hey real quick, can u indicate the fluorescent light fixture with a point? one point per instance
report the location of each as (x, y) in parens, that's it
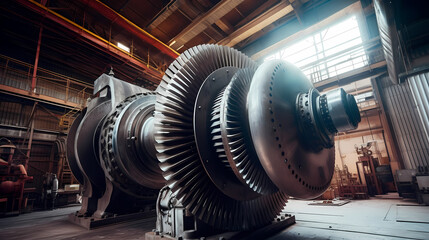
(123, 47)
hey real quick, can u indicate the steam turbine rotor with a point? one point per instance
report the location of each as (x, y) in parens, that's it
(234, 139)
(186, 151)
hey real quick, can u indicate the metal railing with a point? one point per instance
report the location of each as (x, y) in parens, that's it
(18, 74)
(351, 58)
(357, 56)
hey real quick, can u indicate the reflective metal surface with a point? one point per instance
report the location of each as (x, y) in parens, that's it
(206, 139)
(177, 149)
(343, 110)
(111, 151)
(70, 144)
(271, 108)
(85, 150)
(236, 143)
(125, 162)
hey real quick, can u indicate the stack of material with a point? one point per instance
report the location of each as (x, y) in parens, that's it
(347, 186)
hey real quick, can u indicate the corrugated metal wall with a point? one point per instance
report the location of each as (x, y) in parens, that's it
(17, 114)
(407, 125)
(419, 85)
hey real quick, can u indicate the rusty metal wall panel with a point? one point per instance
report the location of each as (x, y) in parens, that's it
(17, 114)
(10, 113)
(44, 120)
(407, 125)
(419, 85)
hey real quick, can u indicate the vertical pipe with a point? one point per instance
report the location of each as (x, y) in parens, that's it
(51, 158)
(36, 61)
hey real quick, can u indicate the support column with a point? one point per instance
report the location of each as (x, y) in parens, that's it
(36, 61)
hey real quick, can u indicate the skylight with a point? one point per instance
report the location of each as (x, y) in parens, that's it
(327, 53)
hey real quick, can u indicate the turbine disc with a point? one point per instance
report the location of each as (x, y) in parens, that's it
(230, 128)
(177, 150)
(293, 167)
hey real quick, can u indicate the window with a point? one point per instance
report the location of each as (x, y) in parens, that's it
(328, 53)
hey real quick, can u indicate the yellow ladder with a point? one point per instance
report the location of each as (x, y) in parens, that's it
(67, 119)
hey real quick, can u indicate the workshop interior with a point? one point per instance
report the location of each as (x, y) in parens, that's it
(214, 119)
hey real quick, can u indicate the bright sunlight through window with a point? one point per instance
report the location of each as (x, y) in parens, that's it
(328, 53)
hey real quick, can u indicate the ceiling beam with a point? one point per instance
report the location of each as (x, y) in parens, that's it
(199, 24)
(163, 15)
(262, 8)
(91, 38)
(225, 26)
(263, 20)
(126, 24)
(168, 10)
(312, 19)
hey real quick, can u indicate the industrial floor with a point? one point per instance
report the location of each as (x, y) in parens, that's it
(359, 219)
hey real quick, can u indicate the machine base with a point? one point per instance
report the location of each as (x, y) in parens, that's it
(92, 222)
(261, 233)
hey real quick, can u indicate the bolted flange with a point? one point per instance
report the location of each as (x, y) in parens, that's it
(319, 117)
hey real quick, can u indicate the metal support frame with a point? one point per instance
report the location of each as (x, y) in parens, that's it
(30, 129)
(175, 222)
(124, 23)
(36, 61)
(90, 37)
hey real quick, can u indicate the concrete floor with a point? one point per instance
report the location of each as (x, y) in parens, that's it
(360, 219)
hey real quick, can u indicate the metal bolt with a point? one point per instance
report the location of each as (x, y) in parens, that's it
(213, 79)
(199, 107)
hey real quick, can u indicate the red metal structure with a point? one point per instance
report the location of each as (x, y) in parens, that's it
(12, 180)
(129, 26)
(90, 38)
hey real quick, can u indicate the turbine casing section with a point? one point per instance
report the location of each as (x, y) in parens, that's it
(111, 152)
